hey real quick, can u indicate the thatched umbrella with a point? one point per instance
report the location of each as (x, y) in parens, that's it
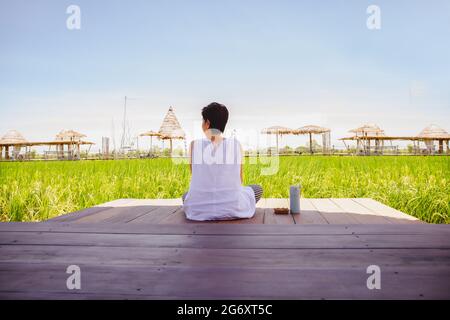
(69, 135)
(434, 133)
(368, 130)
(277, 131)
(150, 134)
(170, 128)
(11, 137)
(310, 130)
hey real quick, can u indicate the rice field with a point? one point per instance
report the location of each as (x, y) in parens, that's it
(36, 191)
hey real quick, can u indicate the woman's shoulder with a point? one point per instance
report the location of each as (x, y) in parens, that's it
(234, 141)
(196, 141)
(228, 141)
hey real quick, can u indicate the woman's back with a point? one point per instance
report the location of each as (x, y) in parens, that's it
(216, 191)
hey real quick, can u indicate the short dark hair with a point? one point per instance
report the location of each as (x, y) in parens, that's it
(217, 115)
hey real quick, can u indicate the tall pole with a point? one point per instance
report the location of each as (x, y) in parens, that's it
(137, 146)
(310, 143)
(151, 144)
(124, 124)
(70, 150)
(277, 144)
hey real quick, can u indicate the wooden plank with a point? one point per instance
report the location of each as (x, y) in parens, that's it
(392, 214)
(127, 214)
(74, 216)
(227, 283)
(155, 216)
(152, 202)
(249, 229)
(263, 258)
(271, 218)
(308, 214)
(258, 218)
(262, 203)
(227, 241)
(116, 203)
(116, 214)
(179, 217)
(360, 213)
(332, 213)
(119, 203)
(277, 203)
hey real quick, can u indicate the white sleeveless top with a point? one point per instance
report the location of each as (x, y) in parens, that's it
(215, 192)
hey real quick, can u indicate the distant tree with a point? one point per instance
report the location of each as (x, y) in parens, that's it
(166, 152)
(301, 150)
(410, 148)
(315, 145)
(286, 150)
(178, 151)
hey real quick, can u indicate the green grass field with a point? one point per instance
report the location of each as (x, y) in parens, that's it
(36, 191)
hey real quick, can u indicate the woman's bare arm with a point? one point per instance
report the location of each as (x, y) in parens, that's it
(242, 164)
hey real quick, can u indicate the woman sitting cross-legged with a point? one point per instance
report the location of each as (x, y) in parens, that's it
(216, 191)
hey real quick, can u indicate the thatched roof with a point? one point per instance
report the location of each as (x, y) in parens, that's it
(170, 127)
(13, 136)
(150, 133)
(433, 131)
(69, 135)
(277, 130)
(368, 130)
(311, 129)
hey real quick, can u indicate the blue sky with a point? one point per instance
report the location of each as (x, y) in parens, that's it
(286, 63)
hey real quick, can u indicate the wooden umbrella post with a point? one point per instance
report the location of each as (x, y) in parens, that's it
(1, 152)
(277, 131)
(151, 143)
(278, 149)
(78, 151)
(151, 134)
(7, 152)
(313, 129)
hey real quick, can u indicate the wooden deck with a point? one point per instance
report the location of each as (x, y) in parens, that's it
(313, 211)
(141, 249)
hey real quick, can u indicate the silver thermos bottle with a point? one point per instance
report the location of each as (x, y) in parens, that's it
(294, 198)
